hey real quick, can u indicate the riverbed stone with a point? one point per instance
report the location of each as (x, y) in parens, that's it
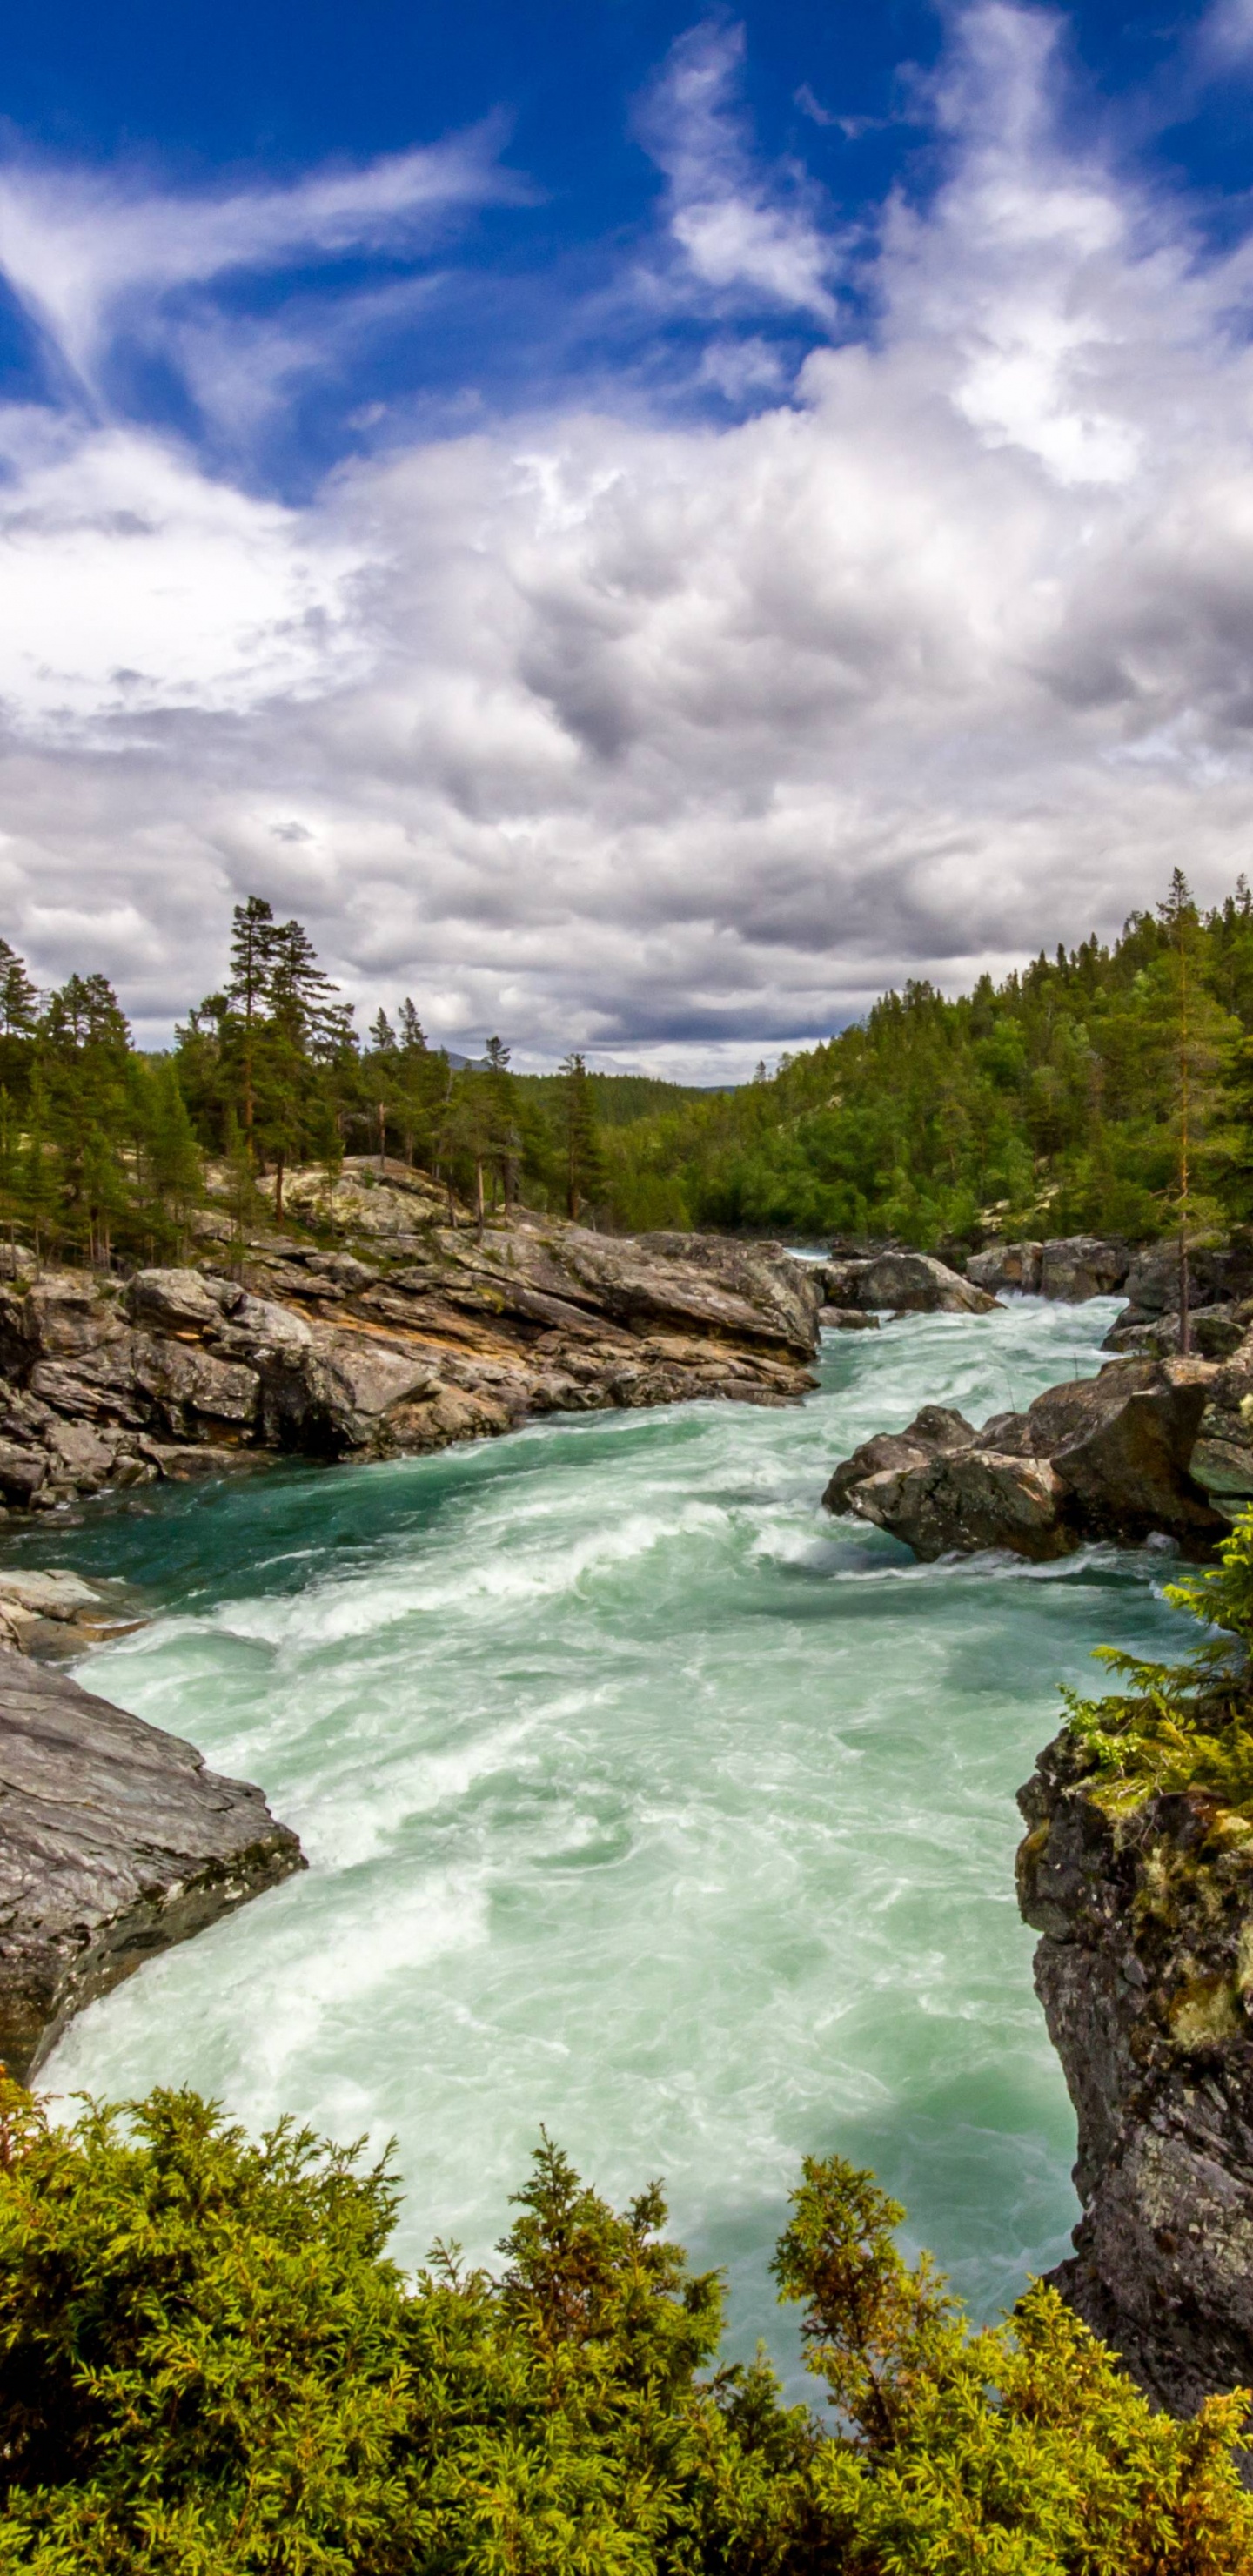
(1003, 1266)
(1074, 1267)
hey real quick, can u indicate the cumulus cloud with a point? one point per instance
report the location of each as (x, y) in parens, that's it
(675, 741)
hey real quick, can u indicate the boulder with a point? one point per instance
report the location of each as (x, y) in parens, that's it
(55, 1593)
(846, 1319)
(1215, 1332)
(59, 1316)
(1077, 1266)
(188, 1388)
(969, 1499)
(1000, 1266)
(1218, 1274)
(1114, 1454)
(1125, 1462)
(181, 1302)
(1222, 1456)
(915, 1283)
(115, 1843)
(23, 1470)
(937, 1427)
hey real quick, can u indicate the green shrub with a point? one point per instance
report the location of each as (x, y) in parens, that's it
(208, 2366)
(1188, 1725)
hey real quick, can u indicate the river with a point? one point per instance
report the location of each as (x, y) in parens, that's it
(641, 1800)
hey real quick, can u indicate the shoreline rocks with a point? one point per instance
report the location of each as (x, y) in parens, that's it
(1145, 1447)
(905, 1283)
(115, 1844)
(1143, 1970)
(403, 1341)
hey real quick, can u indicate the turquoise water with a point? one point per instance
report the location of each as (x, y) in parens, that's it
(642, 1800)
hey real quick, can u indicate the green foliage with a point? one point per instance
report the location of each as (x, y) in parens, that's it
(1188, 1725)
(1104, 1087)
(1020, 2450)
(209, 2367)
(1055, 1101)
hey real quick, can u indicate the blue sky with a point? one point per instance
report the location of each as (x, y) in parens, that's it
(642, 525)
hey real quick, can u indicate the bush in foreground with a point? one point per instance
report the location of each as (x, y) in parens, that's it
(208, 2365)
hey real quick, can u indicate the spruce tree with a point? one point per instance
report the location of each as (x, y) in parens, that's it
(582, 1155)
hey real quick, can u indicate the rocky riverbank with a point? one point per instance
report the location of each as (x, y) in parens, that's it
(373, 1330)
(1145, 1972)
(116, 1843)
(1147, 1446)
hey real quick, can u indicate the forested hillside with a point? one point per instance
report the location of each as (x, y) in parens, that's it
(1059, 1099)
(1053, 1102)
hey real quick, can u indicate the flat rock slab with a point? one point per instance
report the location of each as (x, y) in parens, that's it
(115, 1843)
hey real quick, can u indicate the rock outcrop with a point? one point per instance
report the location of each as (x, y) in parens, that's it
(115, 1843)
(903, 1283)
(1115, 1456)
(1145, 1972)
(406, 1338)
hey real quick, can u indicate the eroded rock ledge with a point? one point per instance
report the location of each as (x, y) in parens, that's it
(115, 1843)
(1145, 1972)
(405, 1337)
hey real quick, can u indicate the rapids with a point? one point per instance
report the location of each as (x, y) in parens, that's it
(641, 1800)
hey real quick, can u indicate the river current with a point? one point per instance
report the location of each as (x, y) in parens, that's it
(641, 1800)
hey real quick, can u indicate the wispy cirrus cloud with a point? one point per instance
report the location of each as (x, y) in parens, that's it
(92, 254)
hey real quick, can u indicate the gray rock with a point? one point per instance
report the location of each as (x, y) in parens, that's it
(54, 1594)
(1143, 1974)
(188, 1388)
(1114, 1454)
(846, 1319)
(1006, 1265)
(937, 1427)
(446, 1335)
(59, 1316)
(969, 1499)
(173, 1301)
(115, 1843)
(915, 1283)
(1126, 1462)
(1215, 1333)
(23, 1471)
(1077, 1266)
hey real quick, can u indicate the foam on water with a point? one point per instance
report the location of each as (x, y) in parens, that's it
(642, 1800)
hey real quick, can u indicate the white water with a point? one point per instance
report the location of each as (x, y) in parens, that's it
(641, 1800)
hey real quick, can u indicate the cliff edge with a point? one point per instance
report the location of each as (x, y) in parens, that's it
(115, 1843)
(1145, 1972)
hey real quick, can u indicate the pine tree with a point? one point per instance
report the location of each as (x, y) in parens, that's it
(19, 1001)
(175, 1159)
(253, 936)
(582, 1155)
(1198, 1032)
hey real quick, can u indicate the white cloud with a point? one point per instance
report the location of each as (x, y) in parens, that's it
(83, 251)
(739, 230)
(675, 741)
